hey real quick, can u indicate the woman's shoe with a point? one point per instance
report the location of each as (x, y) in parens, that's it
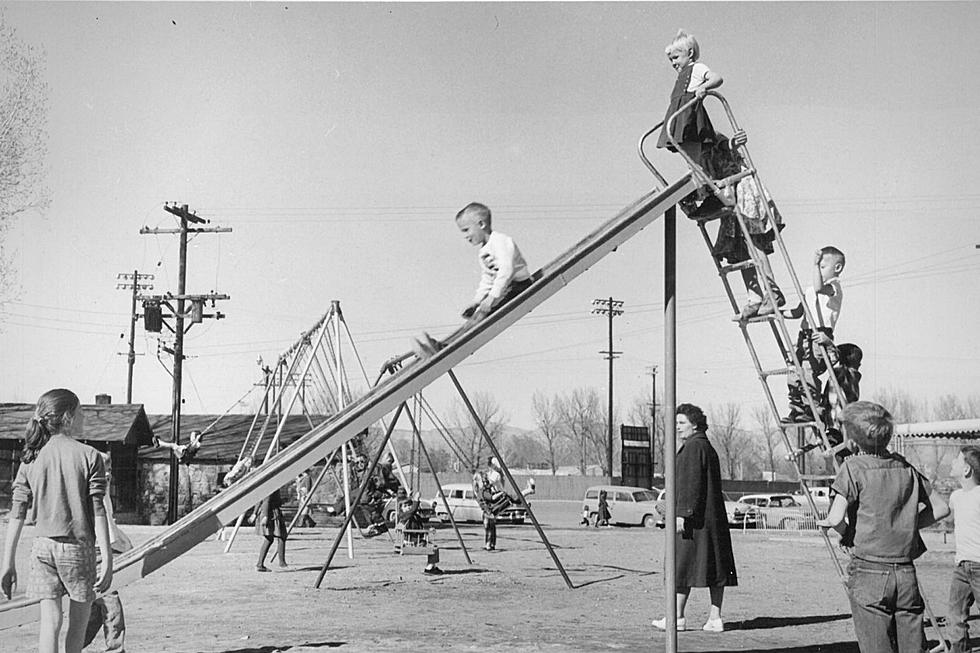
(714, 626)
(661, 624)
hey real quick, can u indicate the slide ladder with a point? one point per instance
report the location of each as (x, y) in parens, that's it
(361, 413)
(794, 434)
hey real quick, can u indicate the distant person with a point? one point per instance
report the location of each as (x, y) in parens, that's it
(964, 588)
(62, 483)
(504, 272)
(691, 129)
(303, 487)
(602, 515)
(183, 452)
(411, 521)
(890, 502)
(704, 543)
(271, 526)
(824, 298)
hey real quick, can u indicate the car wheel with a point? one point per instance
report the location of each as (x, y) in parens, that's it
(649, 521)
(790, 524)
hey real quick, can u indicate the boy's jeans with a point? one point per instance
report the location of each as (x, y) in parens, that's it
(963, 591)
(885, 597)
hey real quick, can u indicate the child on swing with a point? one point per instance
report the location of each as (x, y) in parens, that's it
(692, 129)
(61, 482)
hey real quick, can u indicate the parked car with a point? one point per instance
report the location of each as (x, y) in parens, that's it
(627, 504)
(739, 515)
(466, 508)
(780, 511)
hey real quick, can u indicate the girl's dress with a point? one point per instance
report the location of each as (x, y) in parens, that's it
(693, 124)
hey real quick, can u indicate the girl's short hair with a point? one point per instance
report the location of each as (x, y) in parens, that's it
(971, 456)
(694, 415)
(684, 41)
(53, 413)
(869, 425)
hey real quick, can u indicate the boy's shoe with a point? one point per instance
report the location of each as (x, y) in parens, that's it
(432, 571)
(748, 311)
(710, 208)
(661, 624)
(797, 417)
(261, 568)
(714, 626)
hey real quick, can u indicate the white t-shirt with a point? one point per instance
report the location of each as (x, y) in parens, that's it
(825, 308)
(699, 73)
(965, 505)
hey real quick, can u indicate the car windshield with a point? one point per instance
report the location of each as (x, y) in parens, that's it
(644, 495)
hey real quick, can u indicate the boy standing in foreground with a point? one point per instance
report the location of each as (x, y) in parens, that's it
(891, 502)
(964, 589)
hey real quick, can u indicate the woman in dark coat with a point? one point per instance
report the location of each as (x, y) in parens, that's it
(704, 543)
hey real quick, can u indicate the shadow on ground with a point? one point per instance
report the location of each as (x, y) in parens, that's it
(760, 623)
(287, 647)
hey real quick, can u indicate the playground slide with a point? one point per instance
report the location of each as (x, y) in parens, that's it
(313, 447)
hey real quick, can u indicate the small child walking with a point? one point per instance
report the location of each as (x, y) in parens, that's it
(964, 588)
(61, 483)
(890, 501)
(824, 298)
(602, 511)
(271, 525)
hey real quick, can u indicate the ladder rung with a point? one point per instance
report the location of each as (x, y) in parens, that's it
(802, 425)
(744, 265)
(716, 215)
(762, 318)
(776, 372)
(816, 477)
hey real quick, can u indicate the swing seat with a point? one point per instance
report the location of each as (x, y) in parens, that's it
(414, 541)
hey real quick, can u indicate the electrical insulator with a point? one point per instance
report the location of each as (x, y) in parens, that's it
(152, 317)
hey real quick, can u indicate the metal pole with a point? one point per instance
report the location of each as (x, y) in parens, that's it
(609, 433)
(510, 479)
(653, 424)
(335, 309)
(670, 427)
(360, 492)
(132, 338)
(178, 371)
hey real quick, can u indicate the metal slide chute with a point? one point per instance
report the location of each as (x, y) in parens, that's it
(311, 448)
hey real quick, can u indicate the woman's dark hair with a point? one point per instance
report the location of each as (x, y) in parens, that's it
(53, 414)
(694, 415)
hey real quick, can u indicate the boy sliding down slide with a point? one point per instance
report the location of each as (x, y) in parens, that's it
(504, 272)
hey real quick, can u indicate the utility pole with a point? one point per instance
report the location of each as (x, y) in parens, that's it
(653, 420)
(612, 308)
(196, 315)
(134, 282)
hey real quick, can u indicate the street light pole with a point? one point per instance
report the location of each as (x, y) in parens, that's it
(611, 308)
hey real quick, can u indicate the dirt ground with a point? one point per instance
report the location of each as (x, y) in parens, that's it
(513, 599)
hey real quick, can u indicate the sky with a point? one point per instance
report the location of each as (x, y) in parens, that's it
(338, 140)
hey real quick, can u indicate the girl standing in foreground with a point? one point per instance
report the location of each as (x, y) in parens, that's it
(62, 483)
(692, 128)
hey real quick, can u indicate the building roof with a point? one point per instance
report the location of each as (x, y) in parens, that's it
(223, 441)
(125, 423)
(955, 428)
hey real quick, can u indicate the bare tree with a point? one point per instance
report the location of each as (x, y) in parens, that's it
(470, 440)
(23, 137)
(771, 438)
(903, 406)
(583, 425)
(951, 406)
(546, 418)
(726, 431)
